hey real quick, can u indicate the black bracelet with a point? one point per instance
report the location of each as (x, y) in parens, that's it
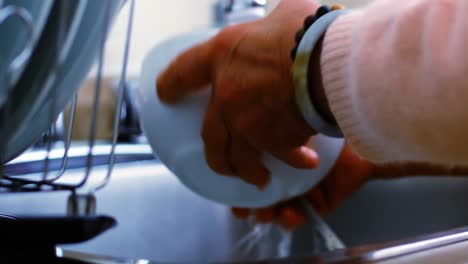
(308, 21)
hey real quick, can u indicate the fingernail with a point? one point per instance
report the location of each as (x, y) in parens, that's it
(312, 159)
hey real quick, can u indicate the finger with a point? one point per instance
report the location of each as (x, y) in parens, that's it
(241, 213)
(318, 201)
(273, 131)
(217, 140)
(247, 164)
(188, 73)
(298, 132)
(265, 215)
(347, 176)
(291, 216)
(300, 157)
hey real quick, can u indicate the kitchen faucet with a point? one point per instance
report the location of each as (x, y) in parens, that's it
(228, 12)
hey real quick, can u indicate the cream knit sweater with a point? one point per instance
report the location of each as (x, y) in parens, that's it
(396, 77)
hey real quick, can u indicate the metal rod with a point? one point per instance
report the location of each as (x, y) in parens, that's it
(97, 93)
(121, 92)
(65, 43)
(32, 161)
(61, 40)
(67, 143)
(48, 137)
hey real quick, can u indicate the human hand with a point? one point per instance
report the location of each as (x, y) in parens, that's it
(252, 109)
(346, 177)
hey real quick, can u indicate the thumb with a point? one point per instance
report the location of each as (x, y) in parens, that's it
(189, 72)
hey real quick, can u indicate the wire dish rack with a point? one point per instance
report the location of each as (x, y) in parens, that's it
(50, 181)
(45, 170)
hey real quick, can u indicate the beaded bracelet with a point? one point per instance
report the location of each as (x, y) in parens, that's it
(314, 28)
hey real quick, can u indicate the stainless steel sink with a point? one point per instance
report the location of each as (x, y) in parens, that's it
(388, 210)
(159, 219)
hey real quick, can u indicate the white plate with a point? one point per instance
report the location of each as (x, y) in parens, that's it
(174, 134)
(26, 95)
(34, 115)
(18, 35)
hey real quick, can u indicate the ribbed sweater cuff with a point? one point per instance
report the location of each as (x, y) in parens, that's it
(335, 62)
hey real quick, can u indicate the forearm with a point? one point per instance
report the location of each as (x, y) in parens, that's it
(404, 169)
(395, 79)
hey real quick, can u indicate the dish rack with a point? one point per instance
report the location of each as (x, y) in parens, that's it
(45, 170)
